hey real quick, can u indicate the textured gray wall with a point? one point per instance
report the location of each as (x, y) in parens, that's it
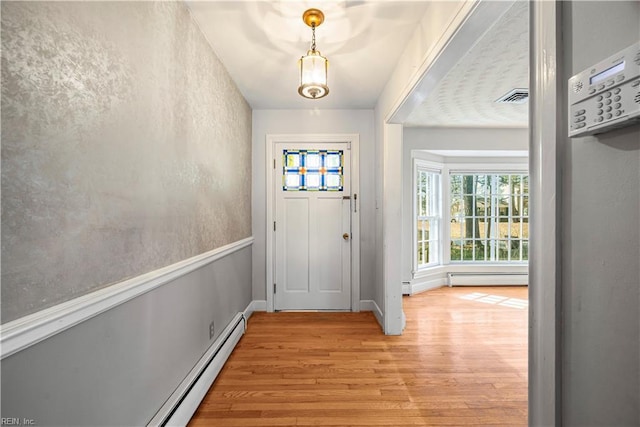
(119, 368)
(600, 239)
(125, 147)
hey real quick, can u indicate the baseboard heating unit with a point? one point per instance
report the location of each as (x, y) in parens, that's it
(183, 403)
(486, 278)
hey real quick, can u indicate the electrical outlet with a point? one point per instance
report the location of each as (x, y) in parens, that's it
(212, 330)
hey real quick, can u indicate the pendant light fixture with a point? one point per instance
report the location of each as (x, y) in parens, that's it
(313, 66)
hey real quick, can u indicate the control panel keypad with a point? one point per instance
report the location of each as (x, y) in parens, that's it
(606, 95)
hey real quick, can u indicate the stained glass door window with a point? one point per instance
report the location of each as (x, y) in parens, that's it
(312, 170)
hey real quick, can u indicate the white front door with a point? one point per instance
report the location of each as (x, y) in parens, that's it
(312, 226)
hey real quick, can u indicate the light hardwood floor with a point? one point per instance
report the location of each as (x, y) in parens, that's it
(462, 360)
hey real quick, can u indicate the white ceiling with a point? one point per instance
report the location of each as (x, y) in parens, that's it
(260, 42)
(499, 62)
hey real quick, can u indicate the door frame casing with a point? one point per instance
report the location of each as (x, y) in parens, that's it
(354, 142)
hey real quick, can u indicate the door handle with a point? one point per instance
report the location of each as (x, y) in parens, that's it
(345, 236)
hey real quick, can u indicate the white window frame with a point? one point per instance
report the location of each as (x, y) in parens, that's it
(436, 206)
(472, 169)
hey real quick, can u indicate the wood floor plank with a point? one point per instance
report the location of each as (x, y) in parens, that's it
(461, 361)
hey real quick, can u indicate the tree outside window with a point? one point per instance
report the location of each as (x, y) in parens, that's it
(489, 217)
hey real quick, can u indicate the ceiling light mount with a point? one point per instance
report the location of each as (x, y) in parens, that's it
(313, 66)
(313, 17)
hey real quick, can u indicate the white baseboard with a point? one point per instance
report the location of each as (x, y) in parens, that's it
(489, 280)
(183, 403)
(423, 286)
(406, 288)
(255, 305)
(370, 305)
(29, 330)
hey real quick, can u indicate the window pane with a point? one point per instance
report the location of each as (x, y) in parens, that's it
(503, 183)
(479, 250)
(515, 250)
(334, 181)
(482, 228)
(492, 227)
(313, 181)
(467, 250)
(456, 207)
(456, 252)
(292, 159)
(313, 160)
(525, 184)
(525, 206)
(423, 230)
(476, 228)
(525, 250)
(455, 182)
(503, 206)
(515, 228)
(467, 184)
(427, 259)
(481, 206)
(503, 250)
(420, 255)
(516, 184)
(516, 204)
(525, 228)
(333, 159)
(292, 181)
(467, 228)
(456, 230)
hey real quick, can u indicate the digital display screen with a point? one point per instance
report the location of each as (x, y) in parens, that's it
(606, 73)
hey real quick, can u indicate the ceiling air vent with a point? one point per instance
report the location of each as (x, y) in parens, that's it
(514, 96)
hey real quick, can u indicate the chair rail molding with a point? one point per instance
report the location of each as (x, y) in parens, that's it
(34, 328)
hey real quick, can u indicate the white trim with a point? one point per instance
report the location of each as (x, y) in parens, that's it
(474, 168)
(470, 22)
(255, 305)
(392, 228)
(370, 305)
(406, 288)
(475, 279)
(354, 142)
(547, 137)
(184, 401)
(424, 285)
(434, 169)
(29, 330)
(428, 165)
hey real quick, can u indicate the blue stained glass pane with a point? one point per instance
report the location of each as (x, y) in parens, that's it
(313, 181)
(292, 159)
(313, 161)
(333, 160)
(333, 181)
(292, 181)
(313, 170)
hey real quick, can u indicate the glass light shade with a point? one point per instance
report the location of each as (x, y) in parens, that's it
(313, 75)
